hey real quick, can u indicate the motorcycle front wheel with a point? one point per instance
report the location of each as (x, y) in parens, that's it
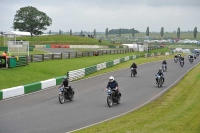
(61, 98)
(109, 101)
(159, 83)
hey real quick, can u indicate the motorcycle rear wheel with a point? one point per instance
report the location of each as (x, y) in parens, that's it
(118, 99)
(71, 98)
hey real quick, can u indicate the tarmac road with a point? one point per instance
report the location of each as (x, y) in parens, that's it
(42, 113)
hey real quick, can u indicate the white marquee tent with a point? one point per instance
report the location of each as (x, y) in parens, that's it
(18, 33)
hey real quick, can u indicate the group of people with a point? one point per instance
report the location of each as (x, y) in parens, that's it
(180, 58)
(90, 36)
(112, 84)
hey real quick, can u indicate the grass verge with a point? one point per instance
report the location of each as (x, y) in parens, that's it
(59, 39)
(129, 63)
(35, 51)
(177, 111)
(38, 71)
(161, 50)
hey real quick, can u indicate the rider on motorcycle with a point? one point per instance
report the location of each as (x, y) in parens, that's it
(182, 60)
(195, 56)
(113, 85)
(197, 53)
(164, 62)
(134, 66)
(190, 56)
(175, 57)
(160, 73)
(65, 83)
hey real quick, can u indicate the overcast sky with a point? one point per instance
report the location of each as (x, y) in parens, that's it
(88, 15)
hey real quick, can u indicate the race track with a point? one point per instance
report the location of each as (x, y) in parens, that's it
(42, 113)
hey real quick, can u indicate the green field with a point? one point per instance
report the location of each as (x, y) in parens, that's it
(38, 71)
(77, 40)
(177, 111)
(59, 39)
(35, 51)
(160, 50)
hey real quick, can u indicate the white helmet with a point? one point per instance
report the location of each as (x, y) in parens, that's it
(111, 78)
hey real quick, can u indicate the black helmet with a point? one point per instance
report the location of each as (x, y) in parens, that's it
(65, 77)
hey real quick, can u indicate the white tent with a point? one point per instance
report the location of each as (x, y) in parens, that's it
(18, 33)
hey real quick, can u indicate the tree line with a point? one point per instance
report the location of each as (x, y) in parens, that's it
(178, 32)
(122, 31)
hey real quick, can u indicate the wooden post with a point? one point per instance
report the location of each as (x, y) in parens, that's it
(31, 58)
(52, 56)
(82, 54)
(26, 60)
(42, 57)
(68, 55)
(61, 56)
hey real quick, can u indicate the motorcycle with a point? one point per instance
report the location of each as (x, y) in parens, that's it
(191, 60)
(160, 81)
(112, 98)
(65, 94)
(181, 63)
(164, 68)
(133, 72)
(175, 60)
(197, 54)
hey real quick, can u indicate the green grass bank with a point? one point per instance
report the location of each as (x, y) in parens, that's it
(38, 71)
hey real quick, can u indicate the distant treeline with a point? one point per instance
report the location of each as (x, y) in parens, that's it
(123, 31)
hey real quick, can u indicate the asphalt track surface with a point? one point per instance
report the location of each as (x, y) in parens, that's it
(42, 113)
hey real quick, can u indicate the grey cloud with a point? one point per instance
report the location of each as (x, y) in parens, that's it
(99, 14)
